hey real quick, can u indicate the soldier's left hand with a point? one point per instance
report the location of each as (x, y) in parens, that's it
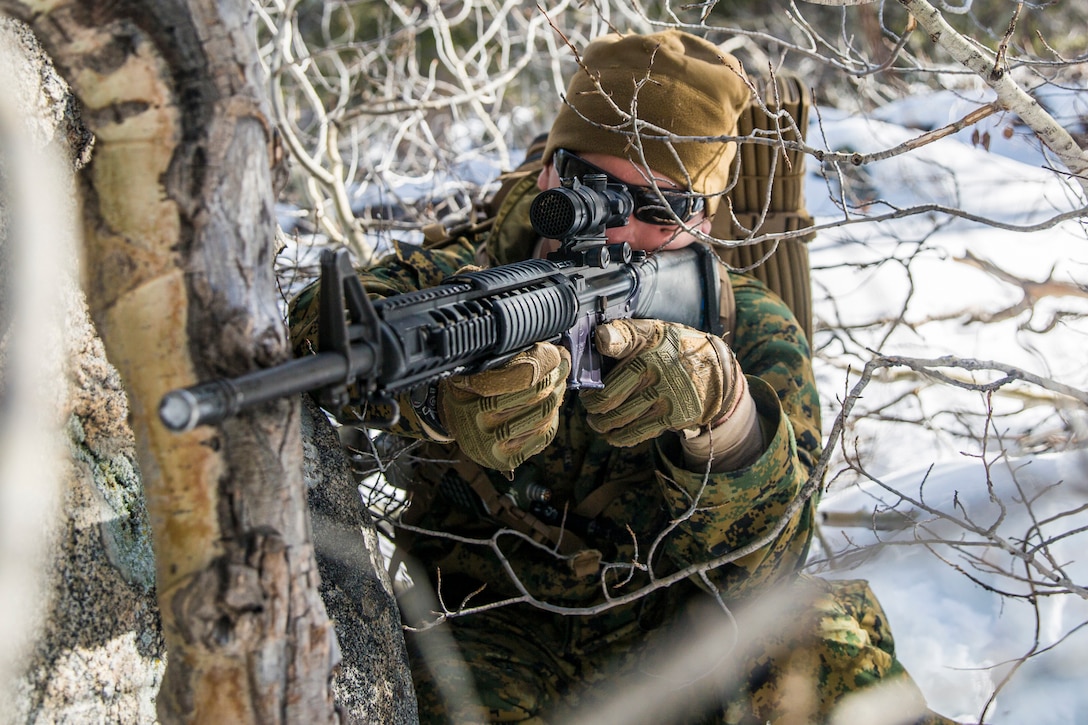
(669, 377)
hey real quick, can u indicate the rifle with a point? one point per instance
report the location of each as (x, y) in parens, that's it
(375, 350)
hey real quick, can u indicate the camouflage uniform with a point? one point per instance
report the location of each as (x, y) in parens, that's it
(528, 664)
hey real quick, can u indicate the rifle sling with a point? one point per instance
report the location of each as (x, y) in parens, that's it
(584, 561)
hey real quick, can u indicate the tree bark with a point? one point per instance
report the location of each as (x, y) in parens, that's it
(178, 226)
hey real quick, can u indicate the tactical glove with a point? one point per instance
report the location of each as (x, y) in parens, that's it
(503, 416)
(670, 377)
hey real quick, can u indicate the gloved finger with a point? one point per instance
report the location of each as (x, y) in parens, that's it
(501, 431)
(529, 424)
(622, 338)
(644, 428)
(468, 268)
(524, 419)
(504, 445)
(494, 409)
(628, 379)
(644, 403)
(521, 372)
(508, 454)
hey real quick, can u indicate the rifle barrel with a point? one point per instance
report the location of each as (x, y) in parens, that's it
(211, 402)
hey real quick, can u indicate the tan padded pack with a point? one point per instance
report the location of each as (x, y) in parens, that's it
(769, 196)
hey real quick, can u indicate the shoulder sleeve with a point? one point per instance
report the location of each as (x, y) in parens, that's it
(727, 512)
(771, 345)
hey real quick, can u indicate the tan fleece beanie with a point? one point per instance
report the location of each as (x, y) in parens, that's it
(672, 80)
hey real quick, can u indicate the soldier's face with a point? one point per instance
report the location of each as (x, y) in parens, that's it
(640, 235)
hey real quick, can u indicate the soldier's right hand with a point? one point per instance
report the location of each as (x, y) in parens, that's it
(503, 416)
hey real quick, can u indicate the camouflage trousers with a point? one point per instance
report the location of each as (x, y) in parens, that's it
(815, 652)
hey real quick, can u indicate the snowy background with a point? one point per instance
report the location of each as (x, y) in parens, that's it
(974, 516)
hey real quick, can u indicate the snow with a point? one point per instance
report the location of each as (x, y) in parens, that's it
(956, 637)
(958, 605)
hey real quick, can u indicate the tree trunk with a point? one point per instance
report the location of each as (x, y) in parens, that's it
(178, 226)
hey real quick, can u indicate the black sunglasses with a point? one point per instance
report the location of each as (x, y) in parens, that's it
(652, 206)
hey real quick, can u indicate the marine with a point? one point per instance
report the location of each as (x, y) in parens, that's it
(567, 543)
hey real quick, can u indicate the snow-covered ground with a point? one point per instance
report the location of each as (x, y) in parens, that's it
(992, 564)
(938, 578)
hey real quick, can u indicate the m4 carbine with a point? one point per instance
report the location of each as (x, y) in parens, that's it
(375, 350)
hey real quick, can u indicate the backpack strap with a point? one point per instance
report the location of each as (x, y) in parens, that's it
(467, 486)
(503, 509)
(584, 561)
(727, 304)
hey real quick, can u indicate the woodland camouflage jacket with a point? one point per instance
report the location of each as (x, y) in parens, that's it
(655, 514)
